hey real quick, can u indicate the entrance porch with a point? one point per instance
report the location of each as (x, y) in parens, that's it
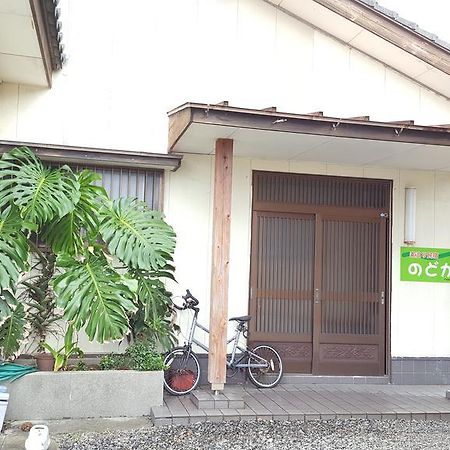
(307, 402)
(305, 215)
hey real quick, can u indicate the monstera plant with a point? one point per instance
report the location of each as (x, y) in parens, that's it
(110, 255)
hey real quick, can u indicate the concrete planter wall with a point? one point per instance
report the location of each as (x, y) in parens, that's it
(109, 393)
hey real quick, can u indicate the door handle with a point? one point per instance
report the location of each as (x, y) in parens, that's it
(316, 296)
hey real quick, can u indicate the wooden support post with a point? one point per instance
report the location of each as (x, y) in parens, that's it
(218, 314)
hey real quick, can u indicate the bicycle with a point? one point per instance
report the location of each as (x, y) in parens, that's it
(263, 363)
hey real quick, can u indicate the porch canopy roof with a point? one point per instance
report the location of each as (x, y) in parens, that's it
(268, 134)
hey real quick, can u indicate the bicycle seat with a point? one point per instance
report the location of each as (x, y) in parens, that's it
(241, 319)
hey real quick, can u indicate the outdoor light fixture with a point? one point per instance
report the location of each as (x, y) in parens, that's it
(410, 215)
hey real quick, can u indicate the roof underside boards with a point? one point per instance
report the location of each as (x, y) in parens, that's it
(369, 30)
(30, 41)
(195, 127)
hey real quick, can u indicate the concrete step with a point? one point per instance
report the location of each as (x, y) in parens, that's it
(208, 400)
(301, 378)
(161, 416)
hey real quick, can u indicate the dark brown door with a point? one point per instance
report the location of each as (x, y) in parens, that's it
(318, 272)
(349, 296)
(282, 285)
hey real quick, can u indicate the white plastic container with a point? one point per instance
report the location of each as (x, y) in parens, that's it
(38, 438)
(4, 398)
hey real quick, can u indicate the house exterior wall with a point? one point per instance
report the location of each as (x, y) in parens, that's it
(129, 64)
(420, 311)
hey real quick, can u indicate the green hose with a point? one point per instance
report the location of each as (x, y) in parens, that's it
(11, 371)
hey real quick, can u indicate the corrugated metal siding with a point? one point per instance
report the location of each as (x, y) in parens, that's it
(145, 185)
(320, 190)
(285, 274)
(142, 184)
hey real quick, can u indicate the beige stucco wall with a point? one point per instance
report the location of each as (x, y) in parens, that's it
(130, 62)
(420, 311)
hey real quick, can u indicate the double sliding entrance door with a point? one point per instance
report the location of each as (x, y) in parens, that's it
(318, 271)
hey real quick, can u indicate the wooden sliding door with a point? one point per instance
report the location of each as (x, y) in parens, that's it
(319, 271)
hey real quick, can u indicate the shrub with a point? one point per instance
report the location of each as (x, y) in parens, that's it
(113, 361)
(138, 356)
(143, 356)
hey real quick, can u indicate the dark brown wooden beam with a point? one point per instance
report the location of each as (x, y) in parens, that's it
(91, 156)
(402, 122)
(365, 118)
(306, 124)
(218, 322)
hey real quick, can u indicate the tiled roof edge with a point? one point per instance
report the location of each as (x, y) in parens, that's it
(405, 22)
(53, 26)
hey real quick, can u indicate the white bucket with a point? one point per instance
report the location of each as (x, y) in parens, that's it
(38, 438)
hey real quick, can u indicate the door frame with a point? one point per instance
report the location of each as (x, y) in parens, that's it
(317, 210)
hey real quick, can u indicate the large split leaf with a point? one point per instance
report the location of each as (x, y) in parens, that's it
(7, 304)
(93, 295)
(154, 317)
(138, 236)
(66, 235)
(41, 194)
(13, 248)
(12, 332)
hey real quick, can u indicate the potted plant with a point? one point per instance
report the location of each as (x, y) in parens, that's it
(41, 313)
(61, 355)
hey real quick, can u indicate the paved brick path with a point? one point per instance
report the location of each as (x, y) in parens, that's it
(308, 402)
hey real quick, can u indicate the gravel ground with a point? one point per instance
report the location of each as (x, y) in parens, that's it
(333, 434)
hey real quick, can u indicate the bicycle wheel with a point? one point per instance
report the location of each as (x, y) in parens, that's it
(183, 371)
(265, 377)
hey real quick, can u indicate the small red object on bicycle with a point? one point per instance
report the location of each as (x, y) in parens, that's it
(182, 380)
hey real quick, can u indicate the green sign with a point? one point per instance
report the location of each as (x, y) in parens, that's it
(430, 265)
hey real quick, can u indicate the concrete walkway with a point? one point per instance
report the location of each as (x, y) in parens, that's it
(307, 402)
(14, 439)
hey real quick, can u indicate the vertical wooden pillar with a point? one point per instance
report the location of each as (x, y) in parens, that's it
(218, 321)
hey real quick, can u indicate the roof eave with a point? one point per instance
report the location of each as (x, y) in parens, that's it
(90, 156)
(182, 117)
(48, 29)
(392, 31)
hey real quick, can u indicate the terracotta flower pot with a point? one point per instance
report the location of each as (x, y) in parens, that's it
(45, 362)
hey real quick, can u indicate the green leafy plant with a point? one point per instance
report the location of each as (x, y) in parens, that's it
(113, 361)
(143, 356)
(39, 299)
(63, 354)
(80, 366)
(108, 257)
(139, 356)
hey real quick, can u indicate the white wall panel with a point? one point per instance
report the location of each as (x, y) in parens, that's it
(420, 311)
(128, 65)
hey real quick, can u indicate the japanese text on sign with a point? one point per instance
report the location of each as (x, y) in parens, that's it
(425, 264)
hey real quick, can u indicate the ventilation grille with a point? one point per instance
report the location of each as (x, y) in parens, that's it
(320, 190)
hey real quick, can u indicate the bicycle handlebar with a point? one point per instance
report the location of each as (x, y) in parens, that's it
(189, 296)
(189, 301)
